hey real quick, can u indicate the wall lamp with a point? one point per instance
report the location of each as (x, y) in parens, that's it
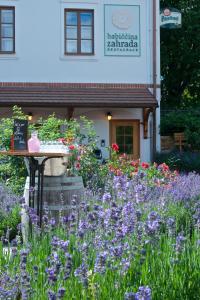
(30, 116)
(109, 116)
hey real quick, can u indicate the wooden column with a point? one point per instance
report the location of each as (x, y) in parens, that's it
(70, 112)
(146, 113)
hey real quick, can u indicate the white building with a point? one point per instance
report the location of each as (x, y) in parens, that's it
(85, 57)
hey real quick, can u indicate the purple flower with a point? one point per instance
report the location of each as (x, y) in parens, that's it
(52, 274)
(68, 266)
(61, 293)
(144, 293)
(180, 240)
(51, 295)
(100, 262)
(153, 223)
(52, 222)
(106, 197)
(129, 296)
(82, 274)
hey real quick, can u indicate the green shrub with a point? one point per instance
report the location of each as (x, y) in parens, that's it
(183, 121)
(77, 133)
(6, 127)
(12, 169)
(49, 129)
(172, 122)
(182, 161)
(9, 223)
(9, 212)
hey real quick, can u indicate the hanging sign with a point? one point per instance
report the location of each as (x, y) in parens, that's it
(20, 133)
(122, 30)
(170, 18)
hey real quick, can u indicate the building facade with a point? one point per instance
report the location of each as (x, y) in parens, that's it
(85, 57)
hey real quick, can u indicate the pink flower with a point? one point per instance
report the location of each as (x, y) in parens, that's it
(71, 147)
(62, 140)
(165, 167)
(118, 172)
(115, 147)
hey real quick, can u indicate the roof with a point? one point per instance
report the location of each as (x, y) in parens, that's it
(76, 95)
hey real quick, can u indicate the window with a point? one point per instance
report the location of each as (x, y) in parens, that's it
(7, 29)
(79, 32)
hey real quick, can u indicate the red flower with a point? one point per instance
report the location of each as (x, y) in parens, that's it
(134, 163)
(78, 165)
(145, 165)
(71, 147)
(165, 167)
(115, 147)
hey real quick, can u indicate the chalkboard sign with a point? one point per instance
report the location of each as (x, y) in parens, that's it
(20, 133)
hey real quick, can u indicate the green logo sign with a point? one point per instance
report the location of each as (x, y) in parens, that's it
(170, 18)
(122, 30)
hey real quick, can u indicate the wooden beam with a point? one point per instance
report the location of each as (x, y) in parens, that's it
(70, 112)
(146, 113)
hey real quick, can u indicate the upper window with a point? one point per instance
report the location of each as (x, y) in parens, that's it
(79, 32)
(7, 29)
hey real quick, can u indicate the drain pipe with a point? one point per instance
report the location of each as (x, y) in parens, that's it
(154, 72)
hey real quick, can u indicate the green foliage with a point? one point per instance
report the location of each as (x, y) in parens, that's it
(180, 54)
(49, 129)
(13, 173)
(6, 127)
(181, 161)
(12, 169)
(178, 276)
(187, 121)
(83, 160)
(171, 122)
(9, 222)
(79, 133)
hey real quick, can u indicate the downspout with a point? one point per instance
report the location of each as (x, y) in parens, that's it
(154, 72)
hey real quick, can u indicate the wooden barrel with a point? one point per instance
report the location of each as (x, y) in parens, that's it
(58, 191)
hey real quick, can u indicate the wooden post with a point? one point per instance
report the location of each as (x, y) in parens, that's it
(70, 112)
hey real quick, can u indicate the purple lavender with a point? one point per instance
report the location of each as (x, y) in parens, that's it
(106, 197)
(68, 266)
(61, 293)
(52, 275)
(144, 293)
(82, 274)
(129, 296)
(180, 241)
(152, 223)
(51, 295)
(100, 263)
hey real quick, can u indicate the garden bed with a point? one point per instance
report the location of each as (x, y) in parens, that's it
(136, 239)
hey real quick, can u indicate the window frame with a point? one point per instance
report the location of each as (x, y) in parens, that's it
(13, 26)
(78, 53)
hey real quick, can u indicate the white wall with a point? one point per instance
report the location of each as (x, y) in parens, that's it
(102, 126)
(40, 46)
(40, 58)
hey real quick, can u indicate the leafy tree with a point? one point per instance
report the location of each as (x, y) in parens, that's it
(180, 57)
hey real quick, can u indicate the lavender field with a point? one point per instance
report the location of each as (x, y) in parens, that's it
(137, 238)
